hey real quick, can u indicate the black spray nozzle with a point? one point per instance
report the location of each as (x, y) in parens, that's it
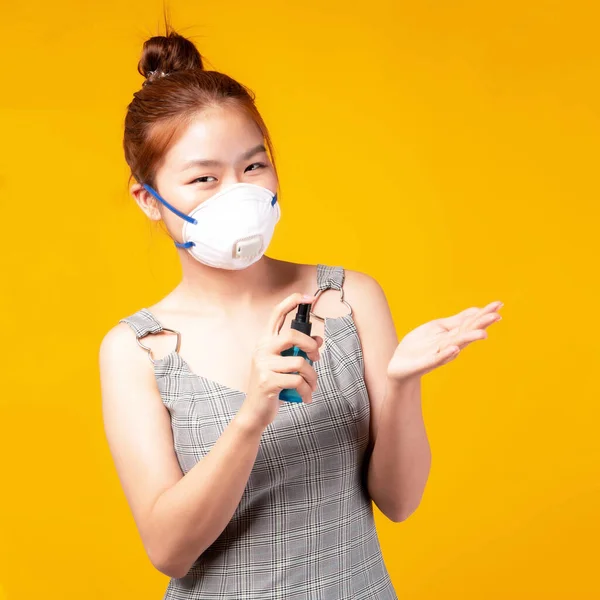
(303, 314)
(302, 320)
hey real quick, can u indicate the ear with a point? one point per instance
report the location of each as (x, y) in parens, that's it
(145, 201)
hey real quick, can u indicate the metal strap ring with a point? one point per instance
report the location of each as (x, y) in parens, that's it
(149, 350)
(319, 292)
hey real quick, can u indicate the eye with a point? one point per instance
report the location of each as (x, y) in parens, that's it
(204, 179)
(255, 166)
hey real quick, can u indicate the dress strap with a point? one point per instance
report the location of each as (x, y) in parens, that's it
(143, 323)
(330, 277)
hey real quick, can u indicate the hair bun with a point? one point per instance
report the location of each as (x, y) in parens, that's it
(164, 54)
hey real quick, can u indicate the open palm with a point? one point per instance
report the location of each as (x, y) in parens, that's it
(437, 342)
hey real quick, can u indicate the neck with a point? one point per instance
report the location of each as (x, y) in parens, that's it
(227, 289)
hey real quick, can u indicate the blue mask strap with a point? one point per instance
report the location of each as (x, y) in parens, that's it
(156, 195)
(185, 217)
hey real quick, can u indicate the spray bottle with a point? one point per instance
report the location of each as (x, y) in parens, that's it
(300, 323)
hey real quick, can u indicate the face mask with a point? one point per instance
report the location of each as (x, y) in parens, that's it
(230, 230)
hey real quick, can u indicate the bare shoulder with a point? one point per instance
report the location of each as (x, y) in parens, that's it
(124, 366)
(362, 289)
(118, 344)
(368, 301)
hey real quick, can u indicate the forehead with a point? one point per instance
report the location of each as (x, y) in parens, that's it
(219, 134)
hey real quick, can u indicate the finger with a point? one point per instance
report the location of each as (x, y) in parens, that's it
(468, 337)
(310, 375)
(486, 320)
(447, 355)
(295, 382)
(315, 356)
(295, 365)
(461, 340)
(293, 337)
(456, 320)
(467, 318)
(283, 308)
(438, 359)
(471, 322)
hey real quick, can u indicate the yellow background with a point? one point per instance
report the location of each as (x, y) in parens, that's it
(450, 149)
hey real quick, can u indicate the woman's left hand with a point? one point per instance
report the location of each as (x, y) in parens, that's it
(438, 342)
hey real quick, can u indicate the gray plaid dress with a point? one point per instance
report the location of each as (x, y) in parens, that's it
(304, 528)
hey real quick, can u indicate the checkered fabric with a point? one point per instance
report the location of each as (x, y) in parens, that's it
(304, 528)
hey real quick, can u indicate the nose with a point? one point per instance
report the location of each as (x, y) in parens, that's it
(230, 178)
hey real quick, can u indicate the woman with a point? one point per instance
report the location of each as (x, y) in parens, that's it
(235, 493)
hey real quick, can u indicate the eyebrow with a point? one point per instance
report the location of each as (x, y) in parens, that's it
(197, 162)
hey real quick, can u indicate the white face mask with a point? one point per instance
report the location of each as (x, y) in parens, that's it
(230, 230)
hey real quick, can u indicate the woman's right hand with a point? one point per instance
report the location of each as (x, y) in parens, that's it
(270, 372)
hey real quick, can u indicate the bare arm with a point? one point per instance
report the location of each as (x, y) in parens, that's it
(401, 458)
(179, 516)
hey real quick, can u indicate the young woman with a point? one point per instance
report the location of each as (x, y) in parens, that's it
(236, 493)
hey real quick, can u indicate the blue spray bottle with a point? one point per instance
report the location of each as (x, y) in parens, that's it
(300, 323)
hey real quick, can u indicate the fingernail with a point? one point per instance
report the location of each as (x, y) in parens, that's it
(307, 297)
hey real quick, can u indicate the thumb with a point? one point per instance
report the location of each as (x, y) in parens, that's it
(284, 307)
